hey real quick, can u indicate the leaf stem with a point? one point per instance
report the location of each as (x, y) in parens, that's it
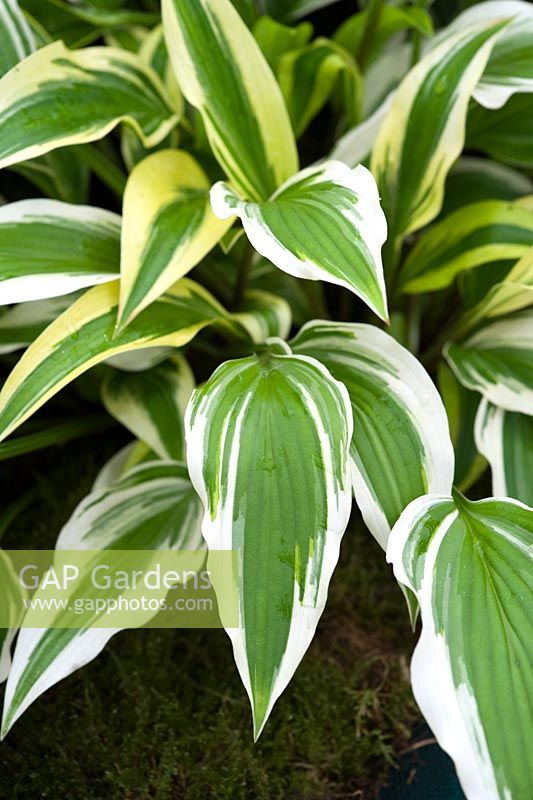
(372, 20)
(244, 275)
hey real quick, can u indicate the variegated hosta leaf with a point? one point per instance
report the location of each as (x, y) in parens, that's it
(510, 66)
(168, 227)
(325, 224)
(497, 361)
(276, 39)
(423, 132)
(354, 147)
(16, 35)
(473, 179)
(506, 440)
(469, 565)
(461, 407)
(84, 335)
(223, 74)
(151, 507)
(513, 293)
(48, 248)
(505, 134)
(58, 97)
(22, 324)
(308, 76)
(492, 230)
(152, 404)
(263, 315)
(267, 447)
(154, 52)
(401, 445)
(11, 593)
(129, 456)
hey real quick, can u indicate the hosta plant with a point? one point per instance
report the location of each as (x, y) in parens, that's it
(333, 238)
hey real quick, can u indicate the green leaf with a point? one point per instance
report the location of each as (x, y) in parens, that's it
(324, 224)
(513, 293)
(58, 97)
(492, 230)
(474, 179)
(423, 132)
(276, 39)
(154, 52)
(16, 35)
(308, 76)
(506, 440)
(264, 315)
(267, 445)
(168, 227)
(392, 20)
(11, 593)
(106, 17)
(510, 66)
(505, 134)
(152, 507)
(461, 408)
(84, 335)
(223, 74)
(469, 565)
(49, 22)
(48, 248)
(152, 403)
(497, 361)
(401, 445)
(20, 325)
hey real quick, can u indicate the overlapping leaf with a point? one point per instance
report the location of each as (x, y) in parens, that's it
(423, 132)
(168, 227)
(16, 35)
(267, 447)
(152, 507)
(325, 223)
(497, 361)
(151, 404)
(401, 445)
(472, 671)
(48, 248)
(475, 235)
(223, 73)
(84, 335)
(58, 97)
(506, 440)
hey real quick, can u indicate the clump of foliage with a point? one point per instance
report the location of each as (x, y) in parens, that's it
(356, 213)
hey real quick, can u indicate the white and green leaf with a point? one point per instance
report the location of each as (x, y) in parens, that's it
(325, 223)
(16, 35)
(423, 132)
(152, 507)
(268, 451)
(49, 248)
(469, 565)
(168, 227)
(510, 66)
(308, 77)
(11, 595)
(263, 315)
(505, 438)
(472, 236)
(497, 362)
(85, 335)
(401, 445)
(22, 324)
(223, 73)
(152, 404)
(58, 97)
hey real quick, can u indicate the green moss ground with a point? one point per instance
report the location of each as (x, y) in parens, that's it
(162, 714)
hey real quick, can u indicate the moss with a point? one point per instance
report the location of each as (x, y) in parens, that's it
(162, 714)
